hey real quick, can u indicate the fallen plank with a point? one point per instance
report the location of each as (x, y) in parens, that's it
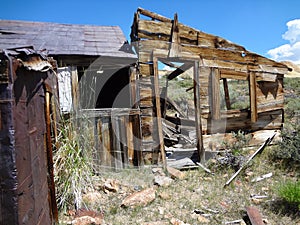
(254, 216)
(258, 151)
(181, 163)
(204, 168)
(265, 176)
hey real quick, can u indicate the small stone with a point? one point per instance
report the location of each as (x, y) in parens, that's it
(175, 221)
(164, 196)
(175, 174)
(162, 181)
(203, 219)
(158, 171)
(111, 186)
(87, 220)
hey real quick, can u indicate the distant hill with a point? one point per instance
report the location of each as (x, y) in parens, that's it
(295, 67)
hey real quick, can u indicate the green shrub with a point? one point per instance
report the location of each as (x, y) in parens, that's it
(288, 149)
(240, 141)
(290, 192)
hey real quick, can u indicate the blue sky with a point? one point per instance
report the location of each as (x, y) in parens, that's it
(259, 25)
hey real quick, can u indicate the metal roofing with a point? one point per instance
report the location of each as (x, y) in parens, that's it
(64, 39)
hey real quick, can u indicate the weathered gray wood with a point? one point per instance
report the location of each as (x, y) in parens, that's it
(226, 93)
(253, 97)
(197, 104)
(179, 71)
(160, 139)
(215, 86)
(181, 163)
(175, 47)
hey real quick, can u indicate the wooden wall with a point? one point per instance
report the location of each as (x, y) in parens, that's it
(156, 36)
(27, 197)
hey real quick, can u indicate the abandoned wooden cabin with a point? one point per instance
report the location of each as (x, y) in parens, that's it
(136, 105)
(215, 69)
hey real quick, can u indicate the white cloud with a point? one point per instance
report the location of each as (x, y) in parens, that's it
(290, 51)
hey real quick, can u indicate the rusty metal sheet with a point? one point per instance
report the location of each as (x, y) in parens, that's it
(8, 172)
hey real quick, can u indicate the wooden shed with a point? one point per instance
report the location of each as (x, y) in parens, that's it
(27, 84)
(96, 81)
(214, 70)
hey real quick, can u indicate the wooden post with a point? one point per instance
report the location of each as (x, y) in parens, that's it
(130, 140)
(198, 111)
(116, 142)
(175, 47)
(253, 97)
(160, 138)
(215, 94)
(226, 92)
(136, 130)
(74, 86)
(50, 156)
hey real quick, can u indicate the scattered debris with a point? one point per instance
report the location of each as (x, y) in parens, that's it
(182, 163)
(240, 222)
(204, 168)
(141, 198)
(257, 199)
(258, 151)
(268, 175)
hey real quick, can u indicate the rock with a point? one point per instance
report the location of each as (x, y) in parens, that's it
(164, 196)
(158, 171)
(87, 217)
(111, 186)
(175, 221)
(175, 174)
(202, 219)
(162, 181)
(141, 198)
(87, 220)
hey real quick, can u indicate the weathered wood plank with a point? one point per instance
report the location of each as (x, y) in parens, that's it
(157, 110)
(153, 15)
(130, 141)
(271, 77)
(162, 31)
(229, 55)
(197, 104)
(232, 74)
(137, 139)
(226, 93)
(179, 71)
(215, 86)
(253, 97)
(254, 215)
(175, 47)
(146, 98)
